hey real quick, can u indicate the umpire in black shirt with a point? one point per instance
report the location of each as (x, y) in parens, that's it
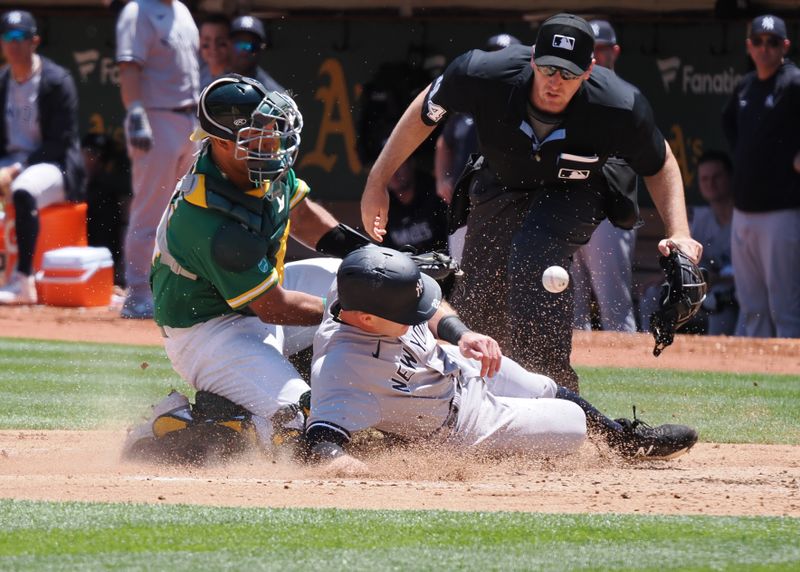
(547, 121)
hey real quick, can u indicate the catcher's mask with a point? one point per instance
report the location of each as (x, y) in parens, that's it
(264, 125)
(271, 141)
(682, 294)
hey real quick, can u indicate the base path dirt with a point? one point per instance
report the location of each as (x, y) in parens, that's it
(714, 479)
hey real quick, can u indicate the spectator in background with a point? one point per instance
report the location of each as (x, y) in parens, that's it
(108, 194)
(248, 41)
(457, 141)
(40, 158)
(603, 266)
(215, 47)
(157, 46)
(762, 125)
(418, 217)
(710, 226)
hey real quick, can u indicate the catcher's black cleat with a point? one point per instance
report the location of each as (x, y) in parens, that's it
(641, 441)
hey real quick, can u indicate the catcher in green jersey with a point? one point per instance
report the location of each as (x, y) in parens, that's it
(228, 307)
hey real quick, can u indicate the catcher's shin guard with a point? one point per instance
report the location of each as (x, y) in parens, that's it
(178, 415)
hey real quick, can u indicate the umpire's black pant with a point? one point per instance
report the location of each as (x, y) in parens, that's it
(512, 236)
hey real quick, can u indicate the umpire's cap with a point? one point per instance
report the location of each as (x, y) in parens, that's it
(565, 41)
(387, 283)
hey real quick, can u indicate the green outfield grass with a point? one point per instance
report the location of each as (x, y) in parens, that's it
(64, 385)
(61, 385)
(82, 536)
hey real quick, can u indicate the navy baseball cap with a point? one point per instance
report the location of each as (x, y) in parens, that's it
(250, 25)
(604, 33)
(18, 21)
(387, 283)
(768, 24)
(500, 41)
(565, 41)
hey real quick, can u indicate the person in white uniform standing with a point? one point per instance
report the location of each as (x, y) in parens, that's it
(157, 47)
(377, 364)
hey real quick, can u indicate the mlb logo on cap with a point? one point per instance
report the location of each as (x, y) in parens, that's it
(563, 42)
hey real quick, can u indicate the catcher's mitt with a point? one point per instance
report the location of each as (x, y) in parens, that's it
(437, 265)
(682, 293)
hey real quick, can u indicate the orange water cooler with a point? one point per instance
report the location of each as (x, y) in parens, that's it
(80, 276)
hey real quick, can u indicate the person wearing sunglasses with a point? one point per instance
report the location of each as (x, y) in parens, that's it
(547, 121)
(40, 156)
(762, 125)
(248, 41)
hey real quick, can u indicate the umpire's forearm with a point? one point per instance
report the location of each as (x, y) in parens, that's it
(666, 189)
(130, 82)
(406, 136)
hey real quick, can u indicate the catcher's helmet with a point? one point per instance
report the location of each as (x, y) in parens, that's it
(265, 125)
(227, 105)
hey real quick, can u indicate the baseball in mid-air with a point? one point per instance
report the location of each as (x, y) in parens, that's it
(555, 279)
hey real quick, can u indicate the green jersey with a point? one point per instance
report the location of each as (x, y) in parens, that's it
(229, 245)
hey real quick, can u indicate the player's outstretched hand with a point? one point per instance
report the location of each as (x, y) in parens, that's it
(687, 245)
(375, 210)
(484, 349)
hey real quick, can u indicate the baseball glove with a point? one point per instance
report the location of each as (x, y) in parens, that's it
(437, 265)
(682, 294)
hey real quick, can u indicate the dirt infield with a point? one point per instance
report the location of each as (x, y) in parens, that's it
(711, 479)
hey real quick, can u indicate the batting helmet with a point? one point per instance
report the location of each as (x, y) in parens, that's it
(388, 284)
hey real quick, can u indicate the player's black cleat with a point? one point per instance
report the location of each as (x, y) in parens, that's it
(641, 441)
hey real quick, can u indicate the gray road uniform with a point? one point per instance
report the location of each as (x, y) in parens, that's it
(163, 39)
(415, 388)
